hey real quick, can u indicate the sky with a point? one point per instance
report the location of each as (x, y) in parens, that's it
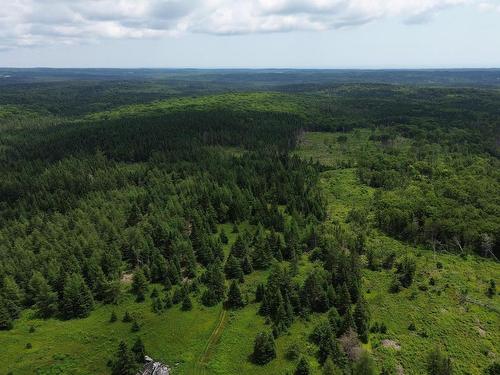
(250, 33)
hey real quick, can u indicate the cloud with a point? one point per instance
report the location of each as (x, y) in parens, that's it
(46, 22)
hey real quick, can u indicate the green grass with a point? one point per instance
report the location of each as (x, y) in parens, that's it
(84, 346)
(469, 333)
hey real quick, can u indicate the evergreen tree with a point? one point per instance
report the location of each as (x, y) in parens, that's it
(215, 282)
(343, 299)
(45, 300)
(12, 297)
(232, 269)
(259, 292)
(167, 301)
(362, 319)
(77, 301)
(135, 326)
(113, 318)
(264, 349)
(127, 318)
(186, 303)
(302, 367)
(124, 363)
(139, 350)
(5, 319)
(234, 299)
(222, 236)
(139, 285)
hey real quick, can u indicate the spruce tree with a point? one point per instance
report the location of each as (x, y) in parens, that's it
(264, 349)
(186, 303)
(139, 350)
(46, 300)
(234, 299)
(302, 367)
(5, 318)
(124, 363)
(77, 301)
(362, 319)
(12, 297)
(232, 269)
(139, 285)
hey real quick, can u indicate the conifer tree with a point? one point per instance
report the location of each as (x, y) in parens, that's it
(139, 285)
(124, 363)
(302, 367)
(186, 303)
(343, 299)
(77, 301)
(234, 299)
(232, 269)
(362, 319)
(12, 297)
(223, 237)
(139, 350)
(46, 300)
(264, 349)
(5, 319)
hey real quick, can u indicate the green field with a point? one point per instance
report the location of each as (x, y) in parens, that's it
(454, 312)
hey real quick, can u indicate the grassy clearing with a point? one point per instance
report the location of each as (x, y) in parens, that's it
(469, 332)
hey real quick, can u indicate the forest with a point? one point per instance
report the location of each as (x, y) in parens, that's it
(249, 222)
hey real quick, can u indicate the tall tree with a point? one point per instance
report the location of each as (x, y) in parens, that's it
(77, 301)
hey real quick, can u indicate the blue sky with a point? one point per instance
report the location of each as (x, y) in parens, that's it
(251, 33)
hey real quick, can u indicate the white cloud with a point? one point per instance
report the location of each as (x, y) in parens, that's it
(45, 22)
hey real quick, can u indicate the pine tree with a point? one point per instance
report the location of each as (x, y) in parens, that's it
(223, 238)
(135, 326)
(46, 300)
(113, 318)
(234, 299)
(139, 350)
(124, 363)
(215, 282)
(139, 285)
(5, 319)
(167, 301)
(343, 299)
(232, 269)
(12, 297)
(77, 301)
(259, 292)
(362, 319)
(186, 303)
(127, 318)
(302, 367)
(264, 349)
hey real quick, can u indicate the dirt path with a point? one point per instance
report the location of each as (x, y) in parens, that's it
(201, 364)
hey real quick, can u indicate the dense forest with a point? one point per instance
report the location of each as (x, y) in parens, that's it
(175, 192)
